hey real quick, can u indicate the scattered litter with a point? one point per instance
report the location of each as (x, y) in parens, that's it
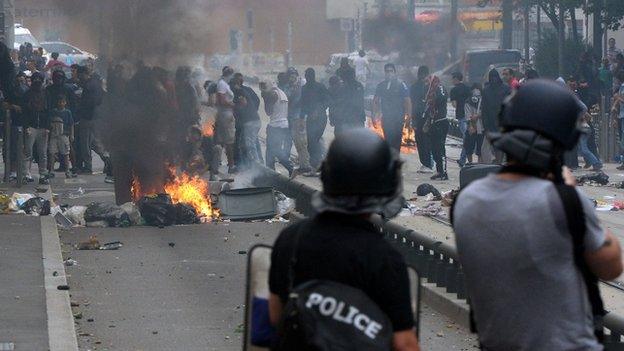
(63, 221)
(5, 203)
(36, 206)
(242, 252)
(76, 215)
(78, 315)
(97, 224)
(112, 215)
(154, 332)
(449, 197)
(74, 194)
(285, 204)
(63, 287)
(186, 214)
(115, 245)
(277, 220)
(598, 178)
(55, 274)
(429, 210)
(607, 197)
(157, 210)
(70, 262)
(426, 189)
(90, 320)
(92, 244)
(133, 213)
(17, 200)
(172, 244)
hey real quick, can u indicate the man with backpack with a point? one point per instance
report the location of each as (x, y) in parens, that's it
(532, 264)
(334, 280)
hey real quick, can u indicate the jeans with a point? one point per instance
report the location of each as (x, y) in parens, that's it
(249, 139)
(88, 140)
(36, 137)
(463, 128)
(300, 139)
(393, 131)
(315, 125)
(422, 143)
(278, 145)
(437, 137)
(589, 156)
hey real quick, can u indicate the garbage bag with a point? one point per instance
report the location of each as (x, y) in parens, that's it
(157, 210)
(36, 206)
(133, 213)
(425, 189)
(76, 214)
(598, 177)
(113, 215)
(186, 214)
(17, 200)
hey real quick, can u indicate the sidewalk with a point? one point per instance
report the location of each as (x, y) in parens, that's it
(23, 319)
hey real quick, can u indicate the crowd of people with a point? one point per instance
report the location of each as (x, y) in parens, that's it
(51, 115)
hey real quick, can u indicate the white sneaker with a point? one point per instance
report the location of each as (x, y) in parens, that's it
(425, 169)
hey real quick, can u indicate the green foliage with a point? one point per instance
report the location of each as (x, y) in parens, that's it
(547, 53)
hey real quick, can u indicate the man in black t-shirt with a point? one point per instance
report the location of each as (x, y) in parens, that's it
(459, 94)
(361, 176)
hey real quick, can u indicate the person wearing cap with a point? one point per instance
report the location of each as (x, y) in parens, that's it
(361, 176)
(530, 243)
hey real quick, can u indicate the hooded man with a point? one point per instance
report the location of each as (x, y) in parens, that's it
(494, 93)
(314, 102)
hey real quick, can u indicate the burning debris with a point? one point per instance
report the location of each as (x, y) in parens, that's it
(408, 142)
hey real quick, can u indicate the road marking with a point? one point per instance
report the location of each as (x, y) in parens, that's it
(61, 331)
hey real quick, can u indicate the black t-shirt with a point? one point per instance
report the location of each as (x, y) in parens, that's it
(460, 93)
(348, 250)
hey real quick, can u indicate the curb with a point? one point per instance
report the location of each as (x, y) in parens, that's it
(61, 331)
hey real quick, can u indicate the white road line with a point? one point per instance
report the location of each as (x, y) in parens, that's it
(61, 331)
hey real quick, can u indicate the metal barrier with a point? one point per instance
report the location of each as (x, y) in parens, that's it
(436, 261)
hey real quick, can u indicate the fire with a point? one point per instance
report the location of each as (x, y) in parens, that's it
(192, 191)
(207, 129)
(135, 188)
(408, 141)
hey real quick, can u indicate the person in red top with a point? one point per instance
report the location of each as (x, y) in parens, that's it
(55, 62)
(510, 78)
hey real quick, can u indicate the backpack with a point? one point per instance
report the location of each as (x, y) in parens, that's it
(324, 315)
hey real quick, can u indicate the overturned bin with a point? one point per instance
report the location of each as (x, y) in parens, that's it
(248, 204)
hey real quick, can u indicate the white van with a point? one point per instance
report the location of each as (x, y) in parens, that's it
(23, 35)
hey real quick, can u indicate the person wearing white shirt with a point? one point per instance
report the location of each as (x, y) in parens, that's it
(362, 67)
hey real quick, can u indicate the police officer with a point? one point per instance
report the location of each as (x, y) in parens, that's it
(361, 176)
(531, 246)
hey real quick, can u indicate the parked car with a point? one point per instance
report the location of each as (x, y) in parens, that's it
(67, 52)
(475, 64)
(22, 36)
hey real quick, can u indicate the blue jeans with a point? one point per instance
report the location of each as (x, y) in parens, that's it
(589, 157)
(249, 138)
(278, 145)
(463, 128)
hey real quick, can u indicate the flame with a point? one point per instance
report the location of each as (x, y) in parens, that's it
(408, 141)
(135, 188)
(207, 129)
(192, 191)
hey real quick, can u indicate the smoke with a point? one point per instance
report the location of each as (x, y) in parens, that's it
(166, 33)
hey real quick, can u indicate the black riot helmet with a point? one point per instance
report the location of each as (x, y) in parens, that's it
(361, 174)
(546, 108)
(538, 124)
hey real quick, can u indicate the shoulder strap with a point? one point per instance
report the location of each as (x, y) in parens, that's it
(575, 217)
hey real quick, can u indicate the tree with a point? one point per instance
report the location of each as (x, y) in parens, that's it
(608, 17)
